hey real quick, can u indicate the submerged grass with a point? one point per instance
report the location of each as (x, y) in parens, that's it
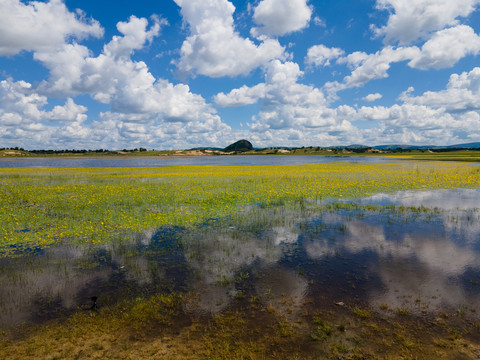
(159, 328)
(41, 207)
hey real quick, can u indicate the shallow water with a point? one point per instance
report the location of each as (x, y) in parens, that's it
(161, 161)
(415, 251)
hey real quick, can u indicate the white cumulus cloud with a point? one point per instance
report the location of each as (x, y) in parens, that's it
(368, 67)
(214, 48)
(23, 115)
(280, 17)
(290, 111)
(372, 97)
(143, 110)
(461, 94)
(74, 71)
(411, 20)
(134, 36)
(410, 123)
(19, 104)
(68, 113)
(127, 86)
(40, 26)
(446, 47)
(242, 96)
(320, 55)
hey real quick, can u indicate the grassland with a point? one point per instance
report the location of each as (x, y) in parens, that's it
(44, 207)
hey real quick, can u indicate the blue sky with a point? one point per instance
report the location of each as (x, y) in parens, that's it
(177, 74)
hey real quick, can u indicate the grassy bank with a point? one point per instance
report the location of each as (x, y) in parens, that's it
(466, 156)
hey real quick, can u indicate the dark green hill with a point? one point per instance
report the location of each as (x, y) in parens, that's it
(240, 145)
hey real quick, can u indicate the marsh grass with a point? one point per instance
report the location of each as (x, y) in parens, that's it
(41, 207)
(158, 327)
(96, 206)
(362, 313)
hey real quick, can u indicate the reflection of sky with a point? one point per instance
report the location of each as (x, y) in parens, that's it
(463, 199)
(63, 278)
(418, 287)
(422, 257)
(220, 257)
(416, 270)
(27, 286)
(459, 209)
(419, 258)
(283, 289)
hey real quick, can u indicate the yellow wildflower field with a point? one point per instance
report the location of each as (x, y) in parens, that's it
(41, 207)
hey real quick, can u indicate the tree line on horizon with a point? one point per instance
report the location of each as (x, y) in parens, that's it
(71, 151)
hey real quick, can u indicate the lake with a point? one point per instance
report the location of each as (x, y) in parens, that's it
(157, 161)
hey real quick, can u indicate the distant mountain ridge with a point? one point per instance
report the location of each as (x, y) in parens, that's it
(473, 145)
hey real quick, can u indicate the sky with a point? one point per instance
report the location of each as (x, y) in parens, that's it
(178, 74)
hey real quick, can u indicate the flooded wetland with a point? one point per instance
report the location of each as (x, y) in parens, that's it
(314, 261)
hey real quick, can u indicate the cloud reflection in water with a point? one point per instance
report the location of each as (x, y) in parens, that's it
(423, 260)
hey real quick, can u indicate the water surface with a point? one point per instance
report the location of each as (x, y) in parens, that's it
(161, 161)
(416, 251)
